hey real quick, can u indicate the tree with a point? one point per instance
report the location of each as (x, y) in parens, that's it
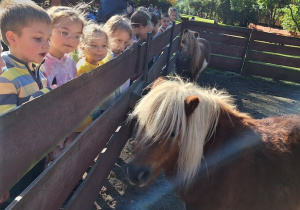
(173, 2)
(291, 18)
(247, 10)
(272, 6)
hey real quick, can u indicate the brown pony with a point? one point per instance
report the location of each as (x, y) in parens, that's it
(193, 55)
(215, 156)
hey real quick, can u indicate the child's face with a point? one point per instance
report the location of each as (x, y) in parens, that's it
(96, 50)
(173, 16)
(65, 37)
(119, 41)
(165, 22)
(33, 43)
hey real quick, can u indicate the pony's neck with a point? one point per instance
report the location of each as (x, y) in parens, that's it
(230, 121)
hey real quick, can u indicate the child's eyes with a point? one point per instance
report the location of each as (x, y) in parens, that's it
(38, 39)
(64, 33)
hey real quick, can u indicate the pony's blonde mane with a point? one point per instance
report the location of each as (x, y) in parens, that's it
(161, 114)
(194, 50)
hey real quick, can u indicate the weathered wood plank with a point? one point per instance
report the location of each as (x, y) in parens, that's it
(224, 39)
(159, 43)
(286, 50)
(156, 69)
(87, 192)
(225, 63)
(218, 29)
(276, 73)
(171, 63)
(273, 38)
(68, 168)
(177, 30)
(175, 45)
(56, 114)
(275, 59)
(228, 50)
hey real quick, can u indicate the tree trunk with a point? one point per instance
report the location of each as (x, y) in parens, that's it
(293, 18)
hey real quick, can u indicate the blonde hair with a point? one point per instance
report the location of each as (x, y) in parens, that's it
(161, 114)
(117, 22)
(17, 14)
(75, 14)
(90, 32)
(171, 10)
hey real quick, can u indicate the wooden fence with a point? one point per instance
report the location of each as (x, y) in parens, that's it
(33, 129)
(251, 52)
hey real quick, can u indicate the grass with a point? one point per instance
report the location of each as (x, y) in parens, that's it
(204, 20)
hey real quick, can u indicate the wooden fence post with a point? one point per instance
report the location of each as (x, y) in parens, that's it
(248, 52)
(169, 51)
(145, 68)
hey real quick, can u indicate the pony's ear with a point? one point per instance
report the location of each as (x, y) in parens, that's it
(158, 81)
(196, 34)
(190, 104)
(185, 31)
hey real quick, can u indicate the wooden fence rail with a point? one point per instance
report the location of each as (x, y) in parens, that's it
(33, 129)
(41, 124)
(251, 52)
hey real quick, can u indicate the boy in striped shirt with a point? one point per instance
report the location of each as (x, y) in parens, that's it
(26, 29)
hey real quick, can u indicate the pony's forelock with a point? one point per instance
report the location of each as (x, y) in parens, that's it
(161, 113)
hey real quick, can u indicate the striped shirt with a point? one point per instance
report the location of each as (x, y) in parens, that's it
(19, 84)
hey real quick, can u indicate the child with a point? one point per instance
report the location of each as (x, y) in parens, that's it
(94, 47)
(165, 22)
(119, 34)
(155, 20)
(59, 67)
(173, 13)
(25, 29)
(141, 25)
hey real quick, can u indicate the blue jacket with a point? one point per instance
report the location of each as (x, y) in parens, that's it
(112, 7)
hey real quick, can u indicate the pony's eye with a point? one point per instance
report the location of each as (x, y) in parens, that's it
(173, 134)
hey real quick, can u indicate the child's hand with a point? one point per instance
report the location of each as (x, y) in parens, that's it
(53, 87)
(4, 198)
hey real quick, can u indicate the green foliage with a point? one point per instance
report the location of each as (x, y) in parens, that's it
(291, 18)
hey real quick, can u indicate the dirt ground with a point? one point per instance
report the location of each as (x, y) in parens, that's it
(257, 96)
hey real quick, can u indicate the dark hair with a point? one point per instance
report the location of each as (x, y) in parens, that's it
(139, 18)
(165, 15)
(154, 18)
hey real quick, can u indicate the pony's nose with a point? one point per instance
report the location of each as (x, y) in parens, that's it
(138, 175)
(183, 56)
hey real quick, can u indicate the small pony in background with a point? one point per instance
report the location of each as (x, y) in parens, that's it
(193, 55)
(215, 156)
